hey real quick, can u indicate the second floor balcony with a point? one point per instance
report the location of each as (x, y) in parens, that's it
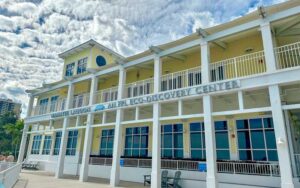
(287, 56)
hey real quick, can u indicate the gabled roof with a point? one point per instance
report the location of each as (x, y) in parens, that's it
(88, 44)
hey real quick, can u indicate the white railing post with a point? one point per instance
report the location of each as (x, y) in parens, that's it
(63, 145)
(210, 145)
(115, 169)
(156, 132)
(235, 67)
(88, 134)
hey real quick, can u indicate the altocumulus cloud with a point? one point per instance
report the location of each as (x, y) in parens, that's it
(33, 32)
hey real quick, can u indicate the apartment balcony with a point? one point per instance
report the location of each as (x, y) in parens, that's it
(287, 56)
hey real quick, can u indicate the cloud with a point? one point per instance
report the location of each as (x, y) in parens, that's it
(7, 24)
(33, 32)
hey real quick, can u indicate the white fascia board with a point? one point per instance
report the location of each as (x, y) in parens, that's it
(181, 47)
(251, 110)
(291, 106)
(139, 61)
(253, 24)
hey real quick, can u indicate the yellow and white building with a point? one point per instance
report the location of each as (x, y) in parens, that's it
(221, 105)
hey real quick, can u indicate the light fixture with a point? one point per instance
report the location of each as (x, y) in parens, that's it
(248, 50)
(280, 141)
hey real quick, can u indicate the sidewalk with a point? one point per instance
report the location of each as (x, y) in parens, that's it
(38, 179)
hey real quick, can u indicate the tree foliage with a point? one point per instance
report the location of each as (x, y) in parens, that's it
(10, 133)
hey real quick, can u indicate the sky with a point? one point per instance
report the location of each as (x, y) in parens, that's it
(33, 32)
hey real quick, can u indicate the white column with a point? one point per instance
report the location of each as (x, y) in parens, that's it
(88, 134)
(115, 169)
(64, 138)
(268, 46)
(156, 133)
(284, 157)
(205, 69)
(210, 144)
(241, 100)
(25, 130)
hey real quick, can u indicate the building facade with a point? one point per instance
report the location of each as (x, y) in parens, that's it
(7, 106)
(221, 105)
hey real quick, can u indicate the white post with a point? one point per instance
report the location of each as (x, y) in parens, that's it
(64, 138)
(137, 113)
(115, 169)
(156, 133)
(205, 68)
(25, 129)
(180, 106)
(241, 100)
(284, 157)
(210, 145)
(88, 134)
(268, 47)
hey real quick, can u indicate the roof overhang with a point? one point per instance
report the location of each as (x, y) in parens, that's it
(88, 44)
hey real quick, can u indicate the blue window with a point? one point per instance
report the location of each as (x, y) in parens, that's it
(70, 69)
(58, 136)
(136, 142)
(107, 142)
(194, 78)
(256, 139)
(197, 140)
(53, 103)
(47, 145)
(82, 63)
(222, 143)
(72, 142)
(36, 143)
(217, 73)
(43, 106)
(172, 141)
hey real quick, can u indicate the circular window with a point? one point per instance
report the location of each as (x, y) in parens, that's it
(100, 60)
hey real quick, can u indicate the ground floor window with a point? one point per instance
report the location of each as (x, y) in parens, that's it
(107, 143)
(197, 139)
(222, 143)
(72, 142)
(172, 141)
(47, 145)
(136, 142)
(36, 143)
(256, 139)
(57, 142)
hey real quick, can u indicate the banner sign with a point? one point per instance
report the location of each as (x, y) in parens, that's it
(148, 99)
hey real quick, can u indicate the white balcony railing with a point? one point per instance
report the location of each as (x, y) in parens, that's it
(232, 167)
(106, 95)
(10, 175)
(139, 88)
(80, 100)
(181, 79)
(288, 55)
(240, 66)
(58, 105)
(264, 169)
